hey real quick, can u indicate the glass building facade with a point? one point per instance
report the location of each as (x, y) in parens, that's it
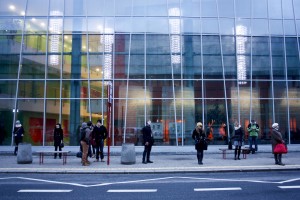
(175, 62)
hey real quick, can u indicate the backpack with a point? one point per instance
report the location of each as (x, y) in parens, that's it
(82, 134)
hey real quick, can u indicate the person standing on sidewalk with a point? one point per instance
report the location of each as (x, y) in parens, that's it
(84, 141)
(200, 142)
(18, 135)
(276, 138)
(238, 140)
(58, 136)
(253, 129)
(99, 135)
(148, 142)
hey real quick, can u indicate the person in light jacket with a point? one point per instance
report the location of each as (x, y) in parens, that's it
(276, 138)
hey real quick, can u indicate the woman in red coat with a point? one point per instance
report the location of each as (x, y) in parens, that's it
(276, 138)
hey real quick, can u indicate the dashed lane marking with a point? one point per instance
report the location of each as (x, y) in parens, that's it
(290, 187)
(50, 191)
(133, 190)
(216, 189)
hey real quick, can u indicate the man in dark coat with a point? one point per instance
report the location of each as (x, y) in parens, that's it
(58, 137)
(18, 135)
(99, 134)
(148, 142)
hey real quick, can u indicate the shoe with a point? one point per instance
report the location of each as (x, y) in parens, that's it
(149, 161)
(88, 162)
(144, 162)
(59, 157)
(102, 160)
(234, 158)
(239, 159)
(281, 164)
(54, 157)
(85, 164)
(200, 163)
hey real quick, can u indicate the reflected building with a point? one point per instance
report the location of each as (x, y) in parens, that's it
(175, 62)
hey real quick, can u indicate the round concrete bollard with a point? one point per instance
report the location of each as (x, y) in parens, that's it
(24, 154)
(128, 154)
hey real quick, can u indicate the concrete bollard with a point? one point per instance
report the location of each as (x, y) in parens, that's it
(128, 156)
(24, 153)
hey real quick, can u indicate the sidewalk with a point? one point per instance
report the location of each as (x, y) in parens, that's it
(167, 159)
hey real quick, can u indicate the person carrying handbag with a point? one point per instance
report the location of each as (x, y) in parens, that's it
(276, 138)
(18, 135)
(58, 136)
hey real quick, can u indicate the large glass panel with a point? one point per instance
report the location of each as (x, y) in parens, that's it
(75, 89)
(12, 7)
(294, 116)
(280, 89)
(275, 9)
(52, 117)
(157, 25)
(36, 25)
(157, 8)
(292, 59)
(191, 57)
(34, 44)
(190, 119)
(6, 119)
(190, 8)
(278, 60)
(281, 116)
(243, 27)
(276, 27)
(53, 89)
(9, 65)
(75, 7)
(75, 67)
(31, 116)
(215, 110)
(37, 8)
(229, 57)
(260, 27)
(123, 7)
(159, 89)
(54, 66)
(261, 65)
(56, 8)
(33, 66)
(297, 9)
(226, 8)
(289, 27)
(191, 25)
(95, 25)
(209, 8)
(226, 26)
(96, 67)
(95, 7)
(259, 8)
(123, 24)
(139, 8)
(214, 89)
(8, 89)
(11, 26)
(242, 8)
(210, 26)
(287, 8)
(31, 89)
(138, 25)
(74, 25)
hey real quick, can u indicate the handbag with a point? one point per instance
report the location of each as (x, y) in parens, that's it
(280, 148)
(62, 145)
(79, 154)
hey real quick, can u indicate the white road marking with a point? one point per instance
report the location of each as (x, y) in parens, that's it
(290, 187)
(216, 189)
(150, 180)
(134, 190)
(50, 191)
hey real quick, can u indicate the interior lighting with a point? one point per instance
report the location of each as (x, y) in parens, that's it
(55, 26)
(107, 40)
(22, 13)
(12, 7)
(175, 31)
(241, 50)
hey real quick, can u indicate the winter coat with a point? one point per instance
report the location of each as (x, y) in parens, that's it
(85, 133)
(58, 136)
(147, 135)
(99, 134)
(253, 129)
(18, 133)
(199, 137)
(276, 138)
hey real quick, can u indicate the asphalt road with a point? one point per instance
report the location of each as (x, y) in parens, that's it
(283, 185)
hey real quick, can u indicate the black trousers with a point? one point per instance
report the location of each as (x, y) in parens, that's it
(55, 149)
(146, 153)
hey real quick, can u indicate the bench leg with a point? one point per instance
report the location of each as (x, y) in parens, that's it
(224, 154)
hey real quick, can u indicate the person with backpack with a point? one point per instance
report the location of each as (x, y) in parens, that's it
(84, 141)
(99, 135)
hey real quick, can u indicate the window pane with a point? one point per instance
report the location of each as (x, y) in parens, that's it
(11, 26)
(75, 7)
(208, 8)
(276, 27)
(9, 65)
(210, 26)
(243, 8)
(260, 27)
(123, 7)
(226, 8)
(259, 8)
(157, 8)
(33, 66)
(12, 7)
(37, 8)
(275, 9)
(287, 7)
(190, 8)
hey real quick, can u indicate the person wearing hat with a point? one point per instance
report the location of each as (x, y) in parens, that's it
(276, 138)
(99, 134)
(58, 137)
(18, 135)
(200, 142)
(253, 129)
